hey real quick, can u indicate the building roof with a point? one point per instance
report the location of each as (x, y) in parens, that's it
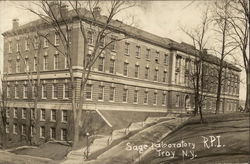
(132, 32)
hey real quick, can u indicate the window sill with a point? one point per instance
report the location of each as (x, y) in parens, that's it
(52, 120)
(42, 120)
(65, 122)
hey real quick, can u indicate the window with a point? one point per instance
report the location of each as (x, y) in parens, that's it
(112, 66)
(35, 64)
(112, 43)
(32, 129)
(56, 60)
(34, 90)
(146, 72)
(7, 112)
(25, 91)
(9, 66)
(157, 54)
(137, 67)
(18, 66)
(178, 62)
(45, 42)
(148, 54)
(176, 78)
(32, 113)
(138, 49)
(56, 38)
(90, 37)
(126, 48)
(15, 113)
(45, 62)
(164, 99)
(52, 133)
(125, 69)
(15, 128)
(101, 92)
(53, 115)
(23, 113)
(17, 47)
(155, 99)
(26, 44)
(66, 90)
(135, 96)
(10, 47)
(156, 75)
(111, 93)
(42, 132)
(8, 91)
(64, 134)
(44, 91)
(42, 114)
(164, 78)
(165, 59)
(26, 63)
(23, 129)
(54, 91)
(68, 36)
(64, 116)
(100, 64)
(16, 91)
(88, 91)
(36, 43)
(145, 101)
(65, 62)
(177, 102)
(125, 95)
(7, 127)
(102, 42)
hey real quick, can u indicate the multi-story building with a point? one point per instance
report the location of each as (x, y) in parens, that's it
(142, 74)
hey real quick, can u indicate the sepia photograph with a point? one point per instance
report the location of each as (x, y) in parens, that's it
(124, 82)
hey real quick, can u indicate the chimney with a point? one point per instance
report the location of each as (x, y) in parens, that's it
(15, 23)
(96, 11)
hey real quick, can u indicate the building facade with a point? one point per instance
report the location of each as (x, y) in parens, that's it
(143, 73)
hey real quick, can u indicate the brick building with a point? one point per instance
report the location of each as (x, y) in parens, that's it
(142, 74)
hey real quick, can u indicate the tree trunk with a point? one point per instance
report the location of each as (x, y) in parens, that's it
(247, 103)
(201, 117)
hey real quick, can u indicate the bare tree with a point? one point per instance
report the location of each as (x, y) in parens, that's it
(196, 73)
(91, 23)
(34, 41)
(3, 111)
(225, 44)
(239, 20)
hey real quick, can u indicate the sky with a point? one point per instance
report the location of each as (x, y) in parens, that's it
(163, 18)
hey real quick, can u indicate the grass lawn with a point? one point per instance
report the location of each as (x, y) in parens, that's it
(54, 151)
(10, 158)
(233, 130)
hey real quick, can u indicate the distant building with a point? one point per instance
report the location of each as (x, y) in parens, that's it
(144, 73)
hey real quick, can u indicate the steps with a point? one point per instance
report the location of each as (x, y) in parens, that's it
(103, 141)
